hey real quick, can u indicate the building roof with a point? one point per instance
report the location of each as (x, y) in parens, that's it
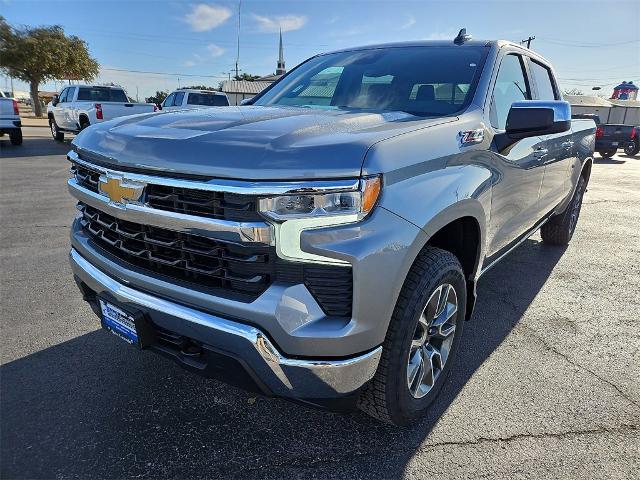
(269, 78)
(625, 103)
(587, 101)
(244, 86)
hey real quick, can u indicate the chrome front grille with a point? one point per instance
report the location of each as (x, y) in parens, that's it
(189, 201)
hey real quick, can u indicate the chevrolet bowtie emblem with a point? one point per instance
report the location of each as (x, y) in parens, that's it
(120, 190)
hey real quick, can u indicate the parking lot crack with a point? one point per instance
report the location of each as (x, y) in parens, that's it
(552, 349)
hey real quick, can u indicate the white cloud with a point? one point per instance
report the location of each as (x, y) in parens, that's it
(284, 22)
(215, 50)
(205, 17)
(189, 63)
(411, 21)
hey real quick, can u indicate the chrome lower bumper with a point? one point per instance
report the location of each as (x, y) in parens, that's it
(282, 376)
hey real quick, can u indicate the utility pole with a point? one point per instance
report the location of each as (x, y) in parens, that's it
(528, 41)
(238, 51)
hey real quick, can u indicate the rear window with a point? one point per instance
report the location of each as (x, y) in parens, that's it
(98, 94)
(207, 99)
(422, 80)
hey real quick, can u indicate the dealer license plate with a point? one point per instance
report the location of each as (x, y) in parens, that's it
(118, 322)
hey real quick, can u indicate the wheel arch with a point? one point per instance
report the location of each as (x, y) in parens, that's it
(461, 230)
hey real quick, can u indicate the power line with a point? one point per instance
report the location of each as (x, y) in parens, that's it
(161, 73)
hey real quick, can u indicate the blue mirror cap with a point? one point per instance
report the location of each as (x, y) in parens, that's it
(561, 109)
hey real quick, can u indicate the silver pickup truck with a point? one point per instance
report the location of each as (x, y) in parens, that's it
(324, 243)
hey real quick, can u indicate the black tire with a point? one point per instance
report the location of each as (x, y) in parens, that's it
(559, 229)
(84, 123)
(607, 153)
(15, 136)
(57, 135)
(632, 148)
(387, 396)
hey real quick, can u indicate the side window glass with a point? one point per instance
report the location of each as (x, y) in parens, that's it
(511, 86)
(178, 99)
(544, 85)
(168, 102)
(70, 92)
(63, 96)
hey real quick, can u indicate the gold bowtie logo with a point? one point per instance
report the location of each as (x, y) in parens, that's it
(118, 190)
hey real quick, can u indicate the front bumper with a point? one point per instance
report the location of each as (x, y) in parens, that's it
(272, 372)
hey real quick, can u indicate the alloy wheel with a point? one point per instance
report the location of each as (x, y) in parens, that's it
(432, 340)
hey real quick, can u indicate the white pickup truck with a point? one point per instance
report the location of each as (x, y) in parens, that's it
(78, 106)
(10, 119)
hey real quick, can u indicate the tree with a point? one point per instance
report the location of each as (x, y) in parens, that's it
(158, 98)
(39, 54)
(246, 76)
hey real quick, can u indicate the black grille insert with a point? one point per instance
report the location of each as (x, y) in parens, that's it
(219, 205)
(242, 269)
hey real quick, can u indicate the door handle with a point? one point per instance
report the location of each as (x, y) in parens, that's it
(567, 145)
(540, 152)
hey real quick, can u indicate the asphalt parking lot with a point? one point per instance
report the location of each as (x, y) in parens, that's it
(547, 386)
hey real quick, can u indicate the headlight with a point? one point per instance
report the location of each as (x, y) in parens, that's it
(355, 204)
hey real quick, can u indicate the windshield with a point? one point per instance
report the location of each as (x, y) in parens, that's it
(426, 81)
(207, 99)
(101, 94)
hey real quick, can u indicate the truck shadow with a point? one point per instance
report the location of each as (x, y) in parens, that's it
(34, 146)
(93, 407)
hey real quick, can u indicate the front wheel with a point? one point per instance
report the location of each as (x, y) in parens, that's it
(421, 342)
(57, 135)
(15, 136)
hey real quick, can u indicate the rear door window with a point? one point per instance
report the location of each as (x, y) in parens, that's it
(177, 101)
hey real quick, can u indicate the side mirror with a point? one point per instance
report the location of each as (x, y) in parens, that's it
(159, 105)
(55, 100)
(535, 117)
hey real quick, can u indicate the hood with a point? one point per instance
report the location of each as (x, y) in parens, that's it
(249, 142)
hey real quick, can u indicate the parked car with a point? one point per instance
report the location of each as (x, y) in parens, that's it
(611, 137)
(10, 122)
(184, 99)
(78, 106)
(324, 243)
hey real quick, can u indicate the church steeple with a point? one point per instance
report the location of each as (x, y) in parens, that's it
(281, 70)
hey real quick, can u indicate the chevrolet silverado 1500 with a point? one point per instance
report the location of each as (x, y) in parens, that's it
(324, 243)
(78, 106)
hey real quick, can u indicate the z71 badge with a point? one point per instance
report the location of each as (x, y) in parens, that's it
(470, 137)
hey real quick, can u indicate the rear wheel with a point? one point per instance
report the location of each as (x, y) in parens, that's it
(57, 135)
(84, 123)
(632, 148)
(559, 229)
(607, 153)
(421, 342)
(15, 136)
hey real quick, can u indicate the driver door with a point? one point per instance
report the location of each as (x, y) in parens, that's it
(519, 168)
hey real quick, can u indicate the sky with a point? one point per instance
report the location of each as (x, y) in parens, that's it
(147, 45)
